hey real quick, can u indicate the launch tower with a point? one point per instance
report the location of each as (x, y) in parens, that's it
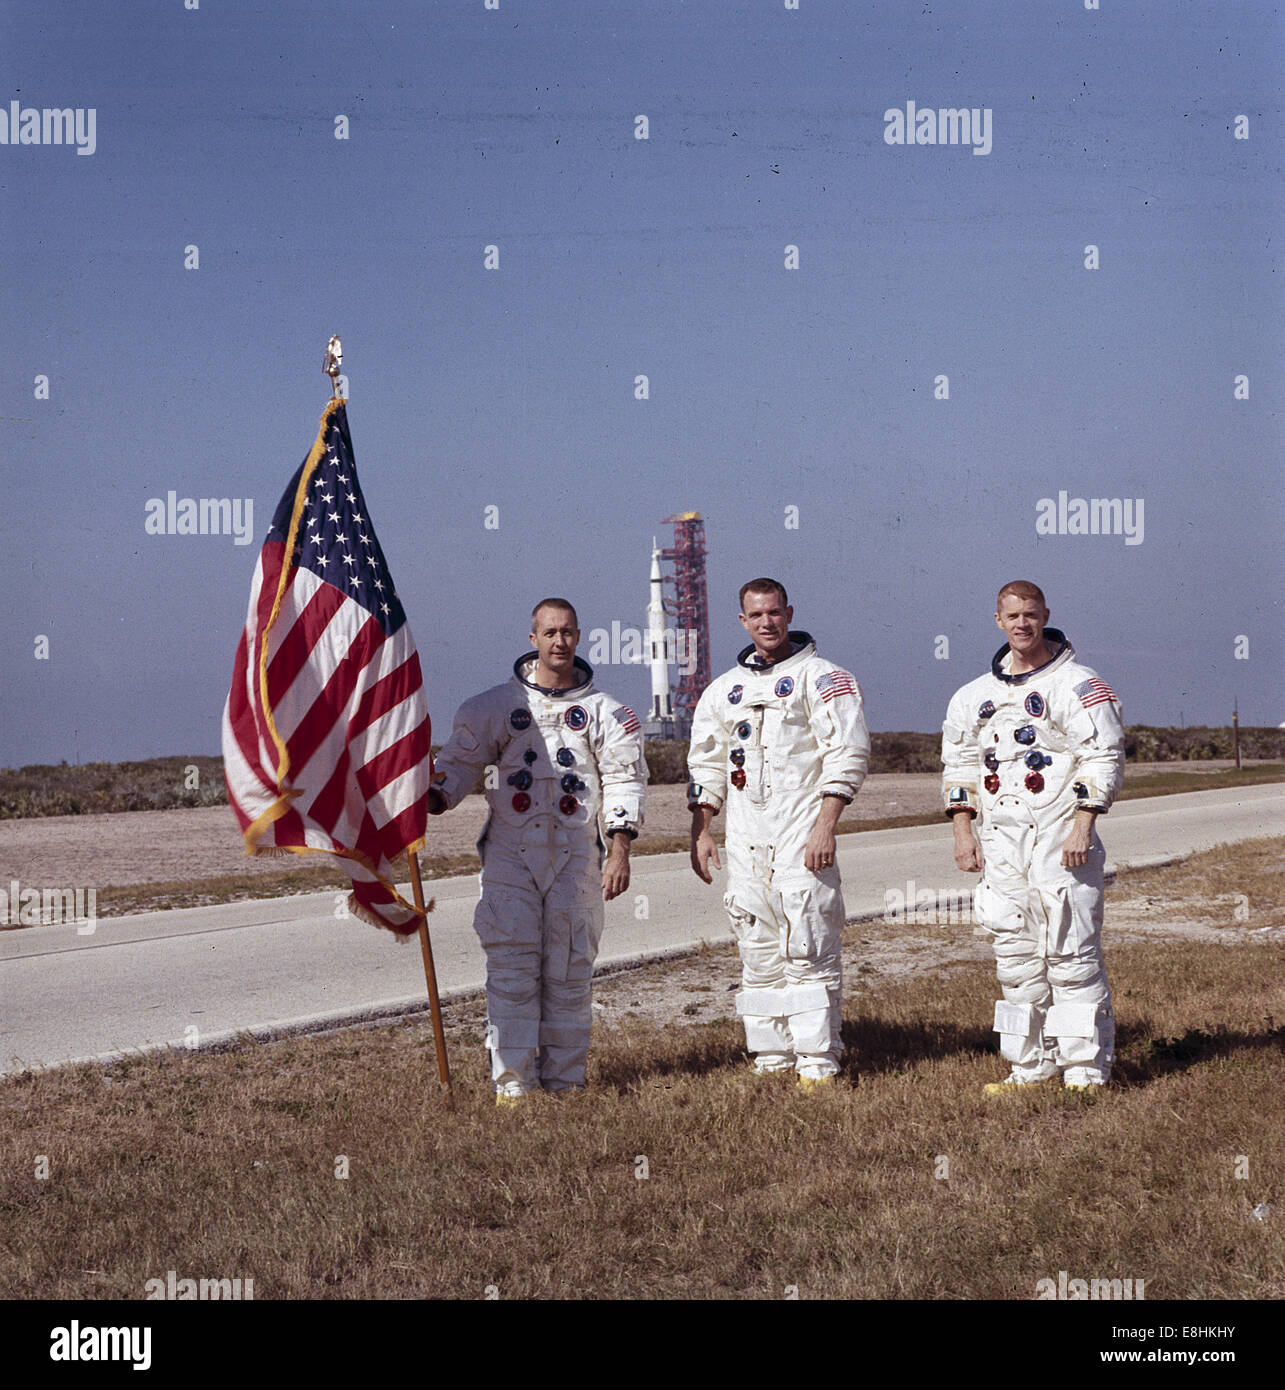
(690, 609)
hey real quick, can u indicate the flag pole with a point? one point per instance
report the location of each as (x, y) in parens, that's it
(333, 362)
(430, 976)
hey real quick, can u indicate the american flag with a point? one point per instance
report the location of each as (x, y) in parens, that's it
(1094, 692)
(326, 730)
(836, 683)
(627, 719)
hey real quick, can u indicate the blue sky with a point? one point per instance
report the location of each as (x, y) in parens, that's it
(769, 388)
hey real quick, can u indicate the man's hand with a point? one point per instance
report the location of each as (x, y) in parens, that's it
(968, 853)
(703, 847)
(1075, 849)
(615, 872)
(705, 852)
(436, 801)
(820, 849)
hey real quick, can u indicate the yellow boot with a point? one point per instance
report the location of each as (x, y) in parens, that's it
(809, 1084)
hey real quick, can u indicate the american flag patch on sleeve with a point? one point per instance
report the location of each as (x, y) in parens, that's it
(1094, 692)
(627, 719)
(836, 683)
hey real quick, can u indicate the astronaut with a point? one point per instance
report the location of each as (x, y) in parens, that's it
(781, 739)
(560, 756)
(1036, 747)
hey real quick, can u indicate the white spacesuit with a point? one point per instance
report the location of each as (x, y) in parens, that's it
(1027, 751)
(561, 757)
(770, 741)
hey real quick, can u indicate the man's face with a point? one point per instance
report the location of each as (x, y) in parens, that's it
(555, 638)
(767, 622)
(1022, 621)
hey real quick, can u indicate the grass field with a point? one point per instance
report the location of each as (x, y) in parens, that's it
(330, 1167)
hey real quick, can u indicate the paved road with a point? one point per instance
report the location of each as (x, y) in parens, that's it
(199, 975)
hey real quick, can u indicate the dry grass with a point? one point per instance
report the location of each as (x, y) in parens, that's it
(307, 877)
(1151, 781)
(47, 789)
(223, 1166)
(1240, 884)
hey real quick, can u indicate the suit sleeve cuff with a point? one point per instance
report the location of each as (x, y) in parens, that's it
(700, 795)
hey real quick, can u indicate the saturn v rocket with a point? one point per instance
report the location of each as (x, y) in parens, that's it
(660, 721)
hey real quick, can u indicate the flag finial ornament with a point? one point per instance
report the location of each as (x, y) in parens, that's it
(334, 361)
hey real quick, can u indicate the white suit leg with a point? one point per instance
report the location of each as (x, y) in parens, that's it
(1006, 904)
(762, 1002)
(573, 918)
(812, 908)
(1080, 1022)
(508, 924)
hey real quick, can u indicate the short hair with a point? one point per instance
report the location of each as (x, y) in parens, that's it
(764, 586)
(554, 603)
(1021, 588)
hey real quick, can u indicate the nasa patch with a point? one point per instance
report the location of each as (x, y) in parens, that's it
(785, 686)
(1034, 704)
(986, 710)
(520, 719)
(576, 717)
(735, 693)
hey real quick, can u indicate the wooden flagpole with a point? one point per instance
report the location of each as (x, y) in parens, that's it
(334, 360)
(430, 976)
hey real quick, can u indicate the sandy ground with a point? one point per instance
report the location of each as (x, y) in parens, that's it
(128, 847)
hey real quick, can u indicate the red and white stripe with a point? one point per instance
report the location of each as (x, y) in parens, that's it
(1094, 692)
(835, 683)
(347, 770)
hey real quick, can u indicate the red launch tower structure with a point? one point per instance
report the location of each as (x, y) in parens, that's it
(690, 606)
